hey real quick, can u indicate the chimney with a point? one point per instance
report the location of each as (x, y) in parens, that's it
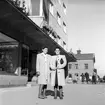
(78, 51)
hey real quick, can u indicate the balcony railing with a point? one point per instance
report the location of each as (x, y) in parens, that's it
(20, 5)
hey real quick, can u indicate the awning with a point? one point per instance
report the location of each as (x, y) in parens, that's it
(17, 25)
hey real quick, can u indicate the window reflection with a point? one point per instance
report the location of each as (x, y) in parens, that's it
(8, 57)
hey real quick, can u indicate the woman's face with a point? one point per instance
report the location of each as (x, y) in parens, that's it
(45, 50)
(57, 51)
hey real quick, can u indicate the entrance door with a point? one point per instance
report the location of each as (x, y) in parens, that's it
(32, 64)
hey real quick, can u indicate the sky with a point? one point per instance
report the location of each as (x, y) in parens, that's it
(86, 29)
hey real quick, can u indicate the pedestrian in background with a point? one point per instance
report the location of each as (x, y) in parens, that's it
(83, 77)
(43, 70)
(58, 62)
(87, 77)
(94, 78)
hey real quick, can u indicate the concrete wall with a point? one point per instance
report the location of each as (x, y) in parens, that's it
(19, 96)
(8, 80)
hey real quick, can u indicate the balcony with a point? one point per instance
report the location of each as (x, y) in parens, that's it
(20, 5)
(37, 19)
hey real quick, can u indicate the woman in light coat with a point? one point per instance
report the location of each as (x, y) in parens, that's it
(58, 62)
(43, 70)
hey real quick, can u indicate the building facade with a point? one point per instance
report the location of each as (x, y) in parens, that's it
(84, 64)
(51, 15)
(23, 32)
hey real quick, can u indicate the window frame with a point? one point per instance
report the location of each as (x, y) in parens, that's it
(64, 27)
(86, 66)
(51, 8)
(64, 8)
(58, 18)
(76, 66)
(70, 66)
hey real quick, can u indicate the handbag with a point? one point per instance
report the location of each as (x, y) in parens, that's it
(61, 61)
(35, 79)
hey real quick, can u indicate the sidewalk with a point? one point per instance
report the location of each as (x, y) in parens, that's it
(77, 94)
(74, 94)
(26, 95)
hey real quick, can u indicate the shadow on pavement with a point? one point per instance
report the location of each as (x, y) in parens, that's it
(51, 93)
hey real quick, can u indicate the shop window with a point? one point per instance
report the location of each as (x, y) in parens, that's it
(8, 57)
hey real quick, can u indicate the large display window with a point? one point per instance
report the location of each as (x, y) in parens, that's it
(17, 62)
(14, 59)
(8, 57)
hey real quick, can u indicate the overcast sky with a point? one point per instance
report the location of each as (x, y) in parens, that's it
(86, 29)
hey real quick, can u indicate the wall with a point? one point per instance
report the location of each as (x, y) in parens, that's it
(81, 67)
(89, 62)
(11, 80)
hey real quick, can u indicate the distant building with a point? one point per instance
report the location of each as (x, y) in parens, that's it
(85, 63)
(52, 14)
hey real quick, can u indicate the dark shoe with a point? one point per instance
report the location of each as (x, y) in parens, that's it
(45, 96)
(61, 98)
(41, 97)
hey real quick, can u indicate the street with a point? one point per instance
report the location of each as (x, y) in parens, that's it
(77, 94)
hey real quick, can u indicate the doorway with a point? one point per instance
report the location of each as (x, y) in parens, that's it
(32, 64)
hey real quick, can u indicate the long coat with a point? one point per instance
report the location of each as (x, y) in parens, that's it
(43, 66)
(60, 70)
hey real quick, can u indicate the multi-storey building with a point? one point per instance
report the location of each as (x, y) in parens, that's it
(51, 13)
(22, 37)
(85, 63)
